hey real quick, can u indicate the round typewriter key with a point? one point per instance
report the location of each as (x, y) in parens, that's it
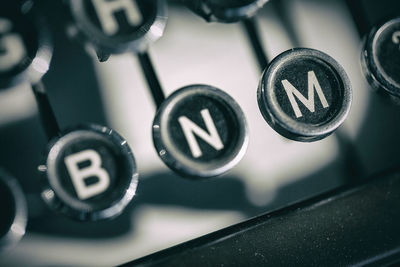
(225, 10)
(381, 57)
(13, 211)
(304, 94)
(200, 131)
(117, 26)
(25, 49)
(90, 173)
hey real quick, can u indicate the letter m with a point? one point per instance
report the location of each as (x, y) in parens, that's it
(313, 83)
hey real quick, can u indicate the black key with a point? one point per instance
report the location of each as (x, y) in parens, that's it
(13, 211)
(225, 10)
(200, 131)
(89, 173)
(381, 58)
(118, 26)
(304, 94)
(25, 48)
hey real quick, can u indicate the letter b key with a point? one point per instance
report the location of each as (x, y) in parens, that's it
(90, 173)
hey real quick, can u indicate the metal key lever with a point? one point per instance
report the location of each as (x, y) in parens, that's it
(97, 25)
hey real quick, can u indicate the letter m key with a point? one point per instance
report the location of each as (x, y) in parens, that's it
(309, 102)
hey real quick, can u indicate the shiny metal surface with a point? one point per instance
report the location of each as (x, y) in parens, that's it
(60, 200)
(282, 122)
(175, 159)
(84, 29)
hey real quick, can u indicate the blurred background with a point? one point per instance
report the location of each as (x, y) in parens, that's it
(169, 209)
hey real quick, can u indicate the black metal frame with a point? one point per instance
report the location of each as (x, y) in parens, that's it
(355, 225)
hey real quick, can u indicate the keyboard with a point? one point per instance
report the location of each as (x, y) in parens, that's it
(274, 164)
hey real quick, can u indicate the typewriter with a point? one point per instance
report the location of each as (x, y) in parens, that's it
(199, 133)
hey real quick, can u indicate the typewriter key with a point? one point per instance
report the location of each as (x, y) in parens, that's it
(89, 173)
(13, 211)
(25, 48)
(200, 131)
(118, 26)
(304, 94)
(225, 10)
(380, 58)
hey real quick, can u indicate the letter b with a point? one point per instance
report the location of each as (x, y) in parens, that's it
(79, 175)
